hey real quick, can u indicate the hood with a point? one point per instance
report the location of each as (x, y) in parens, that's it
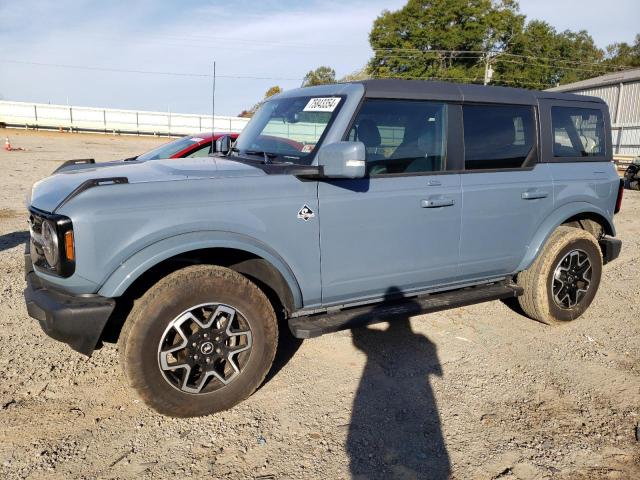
(48, 193)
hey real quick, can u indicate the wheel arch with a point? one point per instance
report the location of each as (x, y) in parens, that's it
(579, 214)
(244, 254)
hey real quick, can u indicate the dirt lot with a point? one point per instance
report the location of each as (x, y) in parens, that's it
(477, 392)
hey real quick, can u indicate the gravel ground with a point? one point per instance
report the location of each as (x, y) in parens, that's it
(476, 392)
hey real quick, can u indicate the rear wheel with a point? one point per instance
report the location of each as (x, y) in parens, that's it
(562, 282)
(201, 340)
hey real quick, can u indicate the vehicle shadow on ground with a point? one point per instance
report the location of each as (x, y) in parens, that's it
(395, 427)
(288, 345)
(13, 239)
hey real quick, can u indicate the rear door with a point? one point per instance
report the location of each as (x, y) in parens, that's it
(399, 228)
(506, 192)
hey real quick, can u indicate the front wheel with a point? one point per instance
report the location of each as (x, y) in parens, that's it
(199, 341)
(562, 282)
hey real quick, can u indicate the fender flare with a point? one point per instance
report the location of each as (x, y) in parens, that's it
(553, 221)
(141, 261)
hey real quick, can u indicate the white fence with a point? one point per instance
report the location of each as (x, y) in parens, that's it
(108, 120)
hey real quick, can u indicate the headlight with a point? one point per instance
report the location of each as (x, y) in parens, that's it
(50, 243)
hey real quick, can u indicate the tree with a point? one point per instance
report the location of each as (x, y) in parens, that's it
(462, 40)
(269, 93)
(319, 76)
(272, 91)
(624, 55)
(355, 76)
(441, 38)
(540, 57)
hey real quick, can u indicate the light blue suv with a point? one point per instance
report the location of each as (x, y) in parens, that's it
(337, 206)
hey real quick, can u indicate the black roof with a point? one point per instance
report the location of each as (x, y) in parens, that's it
(434, 90)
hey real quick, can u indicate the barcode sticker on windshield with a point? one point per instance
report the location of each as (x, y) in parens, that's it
(322, 104)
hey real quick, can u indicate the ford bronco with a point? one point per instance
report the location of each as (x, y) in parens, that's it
(338, 205)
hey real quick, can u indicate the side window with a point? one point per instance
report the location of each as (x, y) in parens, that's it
(577, 132)
(498, 136)
(402, 136)
(202, 151)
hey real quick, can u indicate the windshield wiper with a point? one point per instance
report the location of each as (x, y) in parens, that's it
(268, 156)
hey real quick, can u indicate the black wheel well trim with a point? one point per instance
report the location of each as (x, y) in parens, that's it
(586, 221)
(257, 269)
(581, 220)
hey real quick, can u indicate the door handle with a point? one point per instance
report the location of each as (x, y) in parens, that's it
(437, 202)
(434, 183)
(533, 194)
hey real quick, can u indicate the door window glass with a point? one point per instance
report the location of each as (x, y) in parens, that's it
(498, 136)
(203, 151)
(402, 136)
(577, 132)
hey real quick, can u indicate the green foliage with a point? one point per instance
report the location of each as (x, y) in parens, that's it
(272, 91)
(458, 40)
(441, 38)
(624, 55)
(319, 76)
(356, 76)
(540, 57)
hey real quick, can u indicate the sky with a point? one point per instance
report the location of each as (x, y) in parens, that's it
(255, 43)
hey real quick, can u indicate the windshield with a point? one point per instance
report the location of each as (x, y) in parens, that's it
(288, 128)
(169, 149)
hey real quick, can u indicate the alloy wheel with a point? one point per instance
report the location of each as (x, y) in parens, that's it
(571, 279)
(205, 348)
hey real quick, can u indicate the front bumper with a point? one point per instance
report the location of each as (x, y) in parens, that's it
(610, 248)
(77, 320)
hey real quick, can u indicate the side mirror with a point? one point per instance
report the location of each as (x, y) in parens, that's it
(223, 144)
(343, 160)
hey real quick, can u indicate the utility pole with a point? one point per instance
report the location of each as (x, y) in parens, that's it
(213, 110)
(488, 69)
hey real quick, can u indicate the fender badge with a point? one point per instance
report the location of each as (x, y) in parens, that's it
(305, 213)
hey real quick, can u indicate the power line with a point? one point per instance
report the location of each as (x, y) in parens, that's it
(471, 56)
(199, 37)
(145, 72)
(466, 79)
(597, 69)
(576, 62)
(479, 53)
(398, 51)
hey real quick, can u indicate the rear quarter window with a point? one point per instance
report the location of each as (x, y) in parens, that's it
(577, 132)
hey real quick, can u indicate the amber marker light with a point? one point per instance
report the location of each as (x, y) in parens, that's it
(68, 246)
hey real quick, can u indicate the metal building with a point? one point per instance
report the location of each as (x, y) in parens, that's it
(621, 91)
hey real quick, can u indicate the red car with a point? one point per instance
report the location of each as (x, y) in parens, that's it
(190, 146)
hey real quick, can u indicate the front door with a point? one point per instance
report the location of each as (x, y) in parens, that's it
(398, 229)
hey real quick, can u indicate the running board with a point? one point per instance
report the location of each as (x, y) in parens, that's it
(315, 325)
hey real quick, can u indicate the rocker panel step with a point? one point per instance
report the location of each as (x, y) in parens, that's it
(316, 325)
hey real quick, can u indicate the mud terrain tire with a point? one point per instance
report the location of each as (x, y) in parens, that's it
(180, 294)
(557, 267)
